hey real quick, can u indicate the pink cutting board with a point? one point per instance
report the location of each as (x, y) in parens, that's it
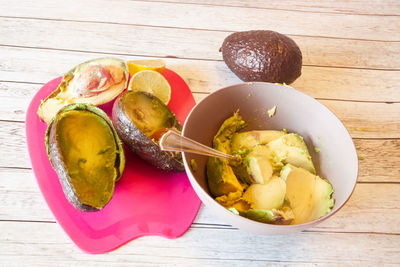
(146, 201)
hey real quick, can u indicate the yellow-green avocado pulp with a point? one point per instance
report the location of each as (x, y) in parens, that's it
(88, 148)
(275, 182)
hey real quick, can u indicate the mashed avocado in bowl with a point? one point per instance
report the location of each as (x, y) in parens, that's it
(275, 182)
(283, 184)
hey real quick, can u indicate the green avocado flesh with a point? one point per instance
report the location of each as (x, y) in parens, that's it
(291, 149)
(244, 141)
(148, 114)
(275, 181)
(221, 178)
(266, 196)
(88, 149)
(94, 82)
(309, 195)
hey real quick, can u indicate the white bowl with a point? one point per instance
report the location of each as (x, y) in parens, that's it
(295, 111)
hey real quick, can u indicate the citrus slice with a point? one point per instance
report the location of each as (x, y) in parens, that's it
(135, 66)
(152, 82)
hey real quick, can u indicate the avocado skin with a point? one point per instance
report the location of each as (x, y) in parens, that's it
(265, 56)
(60, 168)
(65, 83)
(139, 143)
(53, 151)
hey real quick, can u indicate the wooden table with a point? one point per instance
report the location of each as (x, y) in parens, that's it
(351, 64)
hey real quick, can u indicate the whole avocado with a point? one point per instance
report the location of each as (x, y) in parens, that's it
(262, 55)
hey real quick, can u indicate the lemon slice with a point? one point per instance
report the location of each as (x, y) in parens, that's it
(135, 66)
(152, 82)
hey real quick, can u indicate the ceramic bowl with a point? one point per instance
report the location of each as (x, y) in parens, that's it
(295, 111)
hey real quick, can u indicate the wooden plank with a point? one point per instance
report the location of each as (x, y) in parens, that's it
(371, 208)
(356, 7)
(367, 119)
(15, 99)
(45, 244)
(376, 155)
(212, 17)
(185, 43)
(40, 66)
(373, 155)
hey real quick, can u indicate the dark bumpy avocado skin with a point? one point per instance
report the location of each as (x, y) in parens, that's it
(139, 143)
(265, 56)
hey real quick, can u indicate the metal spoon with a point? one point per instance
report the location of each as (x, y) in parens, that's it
(172, 140)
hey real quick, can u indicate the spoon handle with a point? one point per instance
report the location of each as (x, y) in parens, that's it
(173, 141)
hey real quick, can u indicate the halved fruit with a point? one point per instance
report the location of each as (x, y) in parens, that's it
(140, 120)
(135, 66)
(87, 155)
(94, 82)
(152, 82)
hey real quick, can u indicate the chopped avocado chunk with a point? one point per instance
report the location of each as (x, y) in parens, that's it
(246, 140)
(252, 188)
(193, 165)
(266, 216)
(266, 196)
(283, 216)
(233, 200)
(309, 195)
(290, 148)
(224, 135)
(271, 112)
(258, 163)
(241, 173)
(221, 178)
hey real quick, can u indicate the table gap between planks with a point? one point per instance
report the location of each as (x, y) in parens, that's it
(351, 64)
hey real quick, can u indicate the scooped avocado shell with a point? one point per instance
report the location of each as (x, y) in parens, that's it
(93, 82)
(265, 56)
(87, 155)
(140, 120)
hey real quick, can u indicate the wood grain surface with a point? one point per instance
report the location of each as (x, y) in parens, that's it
(351, 64)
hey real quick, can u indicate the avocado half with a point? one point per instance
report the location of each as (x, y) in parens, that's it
(140, 120)
(93, 82)
(87, 155)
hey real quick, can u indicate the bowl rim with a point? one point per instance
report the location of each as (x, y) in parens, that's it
(210, 200)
